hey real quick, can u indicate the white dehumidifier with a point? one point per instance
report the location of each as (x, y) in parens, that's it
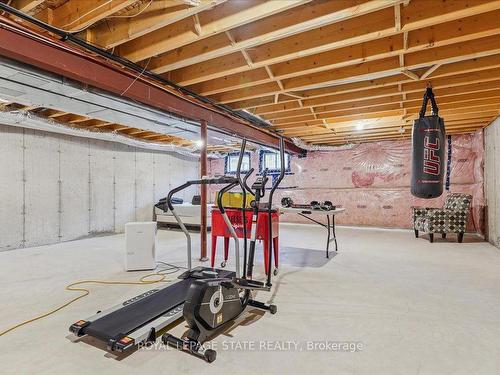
(140, 240)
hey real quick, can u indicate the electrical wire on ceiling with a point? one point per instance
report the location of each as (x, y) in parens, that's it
(70, 37)
(92, 11)
(83, 16)
(136, 78)
(133, 15)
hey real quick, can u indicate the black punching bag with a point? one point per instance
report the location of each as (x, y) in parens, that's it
(428, 151)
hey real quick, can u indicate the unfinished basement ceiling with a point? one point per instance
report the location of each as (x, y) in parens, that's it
(328, 72)
(68, 104)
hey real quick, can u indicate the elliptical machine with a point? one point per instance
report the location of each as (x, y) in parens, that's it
(213, 304)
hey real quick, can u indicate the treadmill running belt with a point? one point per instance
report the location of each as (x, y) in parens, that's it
(135, 315)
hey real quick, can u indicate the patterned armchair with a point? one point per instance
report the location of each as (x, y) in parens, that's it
(452, 218)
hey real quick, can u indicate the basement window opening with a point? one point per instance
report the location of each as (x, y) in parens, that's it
(231, 163)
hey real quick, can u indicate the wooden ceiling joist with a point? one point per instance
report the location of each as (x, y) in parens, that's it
(327, 71)
(216, 21)
(157, 15)
(357, 40)
(26, 6)
(370, 70)
(275, 31)
(413, 100)
(385, 115)
(80, 122)
(388, 109)
(388, 135)
(78, 15)
(442, 88)
(455, 68)
(354, 126)
(396, 128)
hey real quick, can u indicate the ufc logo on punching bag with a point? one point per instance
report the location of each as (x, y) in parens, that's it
(428, 151)
(431, 157)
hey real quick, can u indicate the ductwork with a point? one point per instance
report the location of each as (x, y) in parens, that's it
(311, 147)
(25, 119)
(119, 77)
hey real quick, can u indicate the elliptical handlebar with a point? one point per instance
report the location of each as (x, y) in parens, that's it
(244, 188)
(282, 169)
(244, 185)
(202, 181)
(173, 191)
(229, 180)
(264, 182)
(240, 160)
(222, 191)
(269, 206)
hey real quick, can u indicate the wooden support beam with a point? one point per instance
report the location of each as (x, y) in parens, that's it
(69, 62)
(336, 35)
(103, 124)
(315, 50)
(444, 55)
(448, 95)
(223, 17)
(473, 49)
(387, 136)
(452, 75)
(267, 30)
(410, 74)
(26, 6)
(230, 37)
(135, 131)
(319, 132)
(247, 58)
(118, 127)
(69, 118)
(159, 13)
(413, 107)
(364, 132)
(154, 136)
(397, 17)
(77, 15)
(386, 112)
(197, 25)
(79, 119)
(53, 113)
(429, 71)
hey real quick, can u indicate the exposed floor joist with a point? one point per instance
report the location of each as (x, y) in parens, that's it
(326, 71)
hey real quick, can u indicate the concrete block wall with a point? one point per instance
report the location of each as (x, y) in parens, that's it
(492, 184)
(56, 188)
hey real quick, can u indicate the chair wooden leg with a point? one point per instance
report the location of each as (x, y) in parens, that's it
(431, 237)
(460, 237)
(416, 233)
(443, 235)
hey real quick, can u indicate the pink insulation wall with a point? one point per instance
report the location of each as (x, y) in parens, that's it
(372, 181)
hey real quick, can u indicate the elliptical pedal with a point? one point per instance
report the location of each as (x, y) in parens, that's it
(250, 284)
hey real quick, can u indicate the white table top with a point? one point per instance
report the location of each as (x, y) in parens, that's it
(307, 211)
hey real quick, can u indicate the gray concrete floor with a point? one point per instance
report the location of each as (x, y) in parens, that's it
(411, 307)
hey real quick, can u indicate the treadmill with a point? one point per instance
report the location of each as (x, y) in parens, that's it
(139, 319)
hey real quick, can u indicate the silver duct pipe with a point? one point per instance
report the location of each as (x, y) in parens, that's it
(311, 147)
(25, 119)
